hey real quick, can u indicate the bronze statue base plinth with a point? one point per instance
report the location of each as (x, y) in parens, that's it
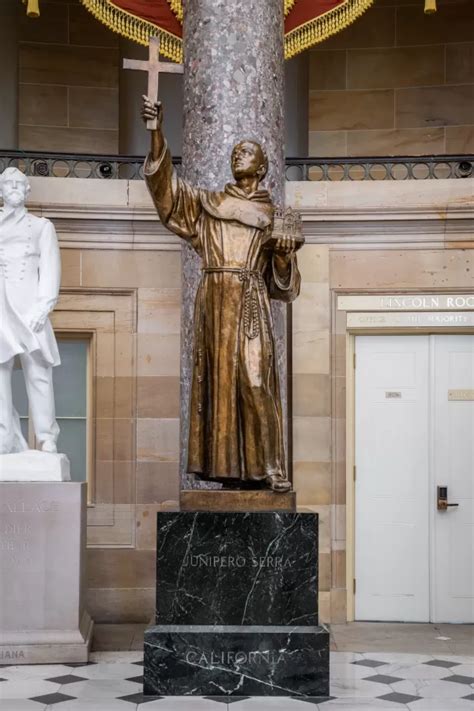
(239, 500)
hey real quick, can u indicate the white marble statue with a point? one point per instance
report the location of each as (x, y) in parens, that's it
(30, 275)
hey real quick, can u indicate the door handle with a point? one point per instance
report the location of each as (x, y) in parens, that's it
(443, 499)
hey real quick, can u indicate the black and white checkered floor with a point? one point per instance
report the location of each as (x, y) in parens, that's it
(112, 681)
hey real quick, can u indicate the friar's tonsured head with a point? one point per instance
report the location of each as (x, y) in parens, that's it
(14, 187)
(249, 160)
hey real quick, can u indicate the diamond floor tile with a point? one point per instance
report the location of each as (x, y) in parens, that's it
(66, 679)
(459, 679)
(400, 658)
(51, 699)
(74, 665)
(383, 679)
(368, 663)
(139, 698)
(225, 699)
(441, 663)
(398, 698)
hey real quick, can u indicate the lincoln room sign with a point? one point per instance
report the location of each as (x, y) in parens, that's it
(407, 302)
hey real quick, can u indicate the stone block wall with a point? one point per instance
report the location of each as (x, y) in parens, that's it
(121, 582)
(68, 81)
(312, 403)
(396, 82)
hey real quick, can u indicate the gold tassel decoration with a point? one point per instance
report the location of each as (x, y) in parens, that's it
(134, 28)
(171, 46)
(32, 8)
(430, 7)
(324, 26)
(177, 7)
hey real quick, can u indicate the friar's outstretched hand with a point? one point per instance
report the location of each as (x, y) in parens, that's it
(154, 110)
(151, 110)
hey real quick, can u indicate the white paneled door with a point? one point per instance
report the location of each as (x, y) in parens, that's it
(452, 464)
(392, 510)
(414, 419)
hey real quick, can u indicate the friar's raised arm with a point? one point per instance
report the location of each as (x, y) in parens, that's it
(178, 204)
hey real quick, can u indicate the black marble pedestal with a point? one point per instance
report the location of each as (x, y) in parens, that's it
(236, 606)
(236, 660)
(217, 568)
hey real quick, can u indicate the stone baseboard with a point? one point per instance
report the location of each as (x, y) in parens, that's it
(49, 647)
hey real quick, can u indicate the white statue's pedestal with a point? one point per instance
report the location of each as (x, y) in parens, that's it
(33, 465)
(42, 573)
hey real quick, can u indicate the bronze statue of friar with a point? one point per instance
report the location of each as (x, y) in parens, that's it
(236, 423)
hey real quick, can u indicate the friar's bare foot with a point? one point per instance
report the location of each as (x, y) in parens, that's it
(277, 483)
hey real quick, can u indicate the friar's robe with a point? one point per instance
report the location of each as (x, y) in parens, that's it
(236, 424)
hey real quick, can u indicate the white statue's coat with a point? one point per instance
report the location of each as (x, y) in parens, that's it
(30, 276)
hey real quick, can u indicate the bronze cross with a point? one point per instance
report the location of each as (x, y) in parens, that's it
(153, 66)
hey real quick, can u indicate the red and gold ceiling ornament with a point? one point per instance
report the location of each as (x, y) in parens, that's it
(307, 22)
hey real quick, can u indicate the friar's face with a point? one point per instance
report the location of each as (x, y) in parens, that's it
(248, 160)
(14, 188)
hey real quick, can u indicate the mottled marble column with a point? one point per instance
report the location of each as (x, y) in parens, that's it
(233, 89)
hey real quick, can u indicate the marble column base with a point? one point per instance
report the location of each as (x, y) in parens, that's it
(236, 661)
(43, 619)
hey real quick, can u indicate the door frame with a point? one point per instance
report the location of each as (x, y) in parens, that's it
(351, 333)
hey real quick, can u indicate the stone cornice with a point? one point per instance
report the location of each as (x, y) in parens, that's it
(382, 215)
